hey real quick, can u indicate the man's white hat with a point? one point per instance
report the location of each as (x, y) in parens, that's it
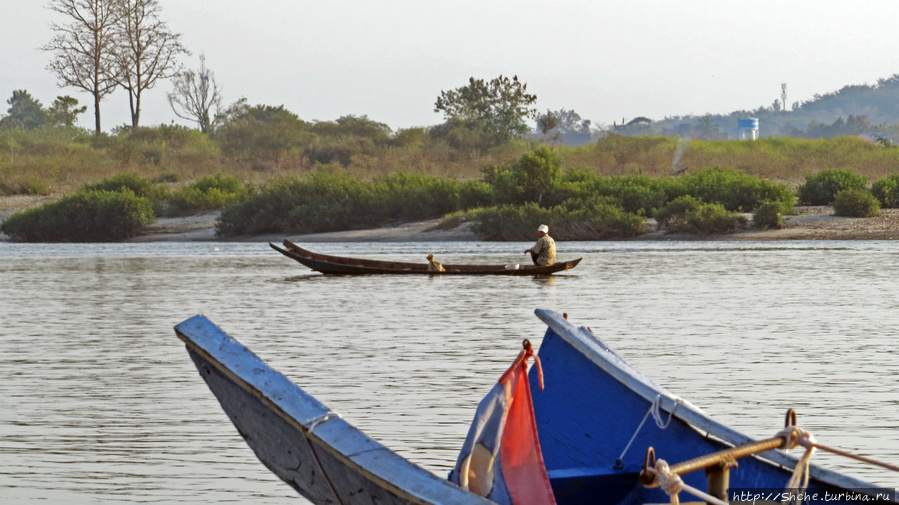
(543, 228)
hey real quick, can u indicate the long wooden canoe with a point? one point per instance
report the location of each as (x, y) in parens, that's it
(340, 265)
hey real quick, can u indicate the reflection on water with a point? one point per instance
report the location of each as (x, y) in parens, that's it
(100, 403)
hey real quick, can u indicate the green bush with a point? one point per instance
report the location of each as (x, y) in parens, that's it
(322, 201)
(208, 193)
(641, 194)
(529, 179)
(130, 182)
(768, 215)
(821, 188)
(405, 196)
(135, 184)
(887, 191)
(473, 194)
(329, 200)
(687, 214)
(856, 203)
(734, 190)
(86, 216)
(675, 213)
(598, 219)
(637, 194)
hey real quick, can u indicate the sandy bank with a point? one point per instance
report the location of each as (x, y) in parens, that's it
(811, 223)
(202, 227)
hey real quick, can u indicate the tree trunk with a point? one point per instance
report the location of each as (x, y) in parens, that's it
(134, 103)
(97, 112)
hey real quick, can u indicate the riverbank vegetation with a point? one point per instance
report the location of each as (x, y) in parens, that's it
(270, 172)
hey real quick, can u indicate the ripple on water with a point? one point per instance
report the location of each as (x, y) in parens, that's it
(100, 403)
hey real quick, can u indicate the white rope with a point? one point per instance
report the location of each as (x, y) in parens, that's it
(655, 410)
(315, 421)
(799, 480)
(672, 484)
(311, 424)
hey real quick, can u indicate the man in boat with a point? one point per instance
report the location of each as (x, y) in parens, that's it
(544, 251)
(434, 265)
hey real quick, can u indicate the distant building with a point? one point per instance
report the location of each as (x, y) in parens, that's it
(876, 136)
(749, 128)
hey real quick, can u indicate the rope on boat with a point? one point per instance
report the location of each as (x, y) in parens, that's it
(310, 425)
(856, 457)
(656, 410)
(794, 436)
(672, 484)
(315, 421)
(658, 473)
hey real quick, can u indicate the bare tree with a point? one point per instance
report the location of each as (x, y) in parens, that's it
(83, 49)
(146, 51)
(197, 97)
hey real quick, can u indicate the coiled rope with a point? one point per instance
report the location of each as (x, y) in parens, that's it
(672, 484)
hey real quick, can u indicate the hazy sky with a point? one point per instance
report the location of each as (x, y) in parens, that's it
(389, 59)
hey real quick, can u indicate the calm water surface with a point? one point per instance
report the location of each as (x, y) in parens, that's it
(99, 402)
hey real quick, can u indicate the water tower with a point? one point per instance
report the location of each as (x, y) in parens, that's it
(749, 128)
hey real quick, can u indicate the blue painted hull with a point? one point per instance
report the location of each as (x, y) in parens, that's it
(320, 455)
(591, 407)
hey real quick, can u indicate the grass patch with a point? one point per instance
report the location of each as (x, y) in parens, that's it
(209, 193)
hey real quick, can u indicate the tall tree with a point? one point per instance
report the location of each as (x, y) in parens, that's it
(197, 97)
(546, 123)
(261, 133)
(146, 51)
(65, 111)
(706, 128)
(83, 48)
(24, 112)
(569, 127)
(498, 107)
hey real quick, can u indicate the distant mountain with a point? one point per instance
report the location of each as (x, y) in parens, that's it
(852, 110)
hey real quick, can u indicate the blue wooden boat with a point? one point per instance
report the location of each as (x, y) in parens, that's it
(592, 422)
(591, 411)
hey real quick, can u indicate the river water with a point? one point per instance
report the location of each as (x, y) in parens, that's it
(99, 402)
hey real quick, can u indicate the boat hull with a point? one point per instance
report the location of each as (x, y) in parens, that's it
(594, 402)
(339, 265)
(296, 437)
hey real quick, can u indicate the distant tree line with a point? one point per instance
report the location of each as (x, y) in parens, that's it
(28, 113)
